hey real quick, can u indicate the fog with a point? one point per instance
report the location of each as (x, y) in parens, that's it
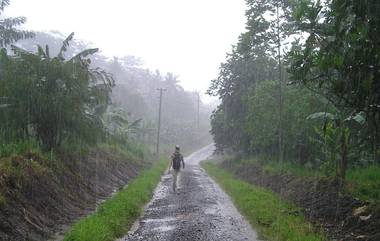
(188, 38)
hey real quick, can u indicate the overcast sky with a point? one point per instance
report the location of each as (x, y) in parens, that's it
(187, 37)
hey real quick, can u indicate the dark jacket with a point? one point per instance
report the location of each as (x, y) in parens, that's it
(177, 159)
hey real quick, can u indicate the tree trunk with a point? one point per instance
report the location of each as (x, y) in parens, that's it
(344, 152)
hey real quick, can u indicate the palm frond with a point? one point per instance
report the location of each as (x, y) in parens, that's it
(65, 44)
(324, 115)
(103, 76)
(85, 53)
(41, 51)
(47, 51)
(19, 51)
(135, 125)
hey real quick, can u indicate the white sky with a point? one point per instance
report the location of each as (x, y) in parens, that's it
(187, 37)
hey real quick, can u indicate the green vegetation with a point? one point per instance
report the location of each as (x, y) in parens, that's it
(365, 182)
(362, 182)
(3, 201)
(302, 86)
(20, 168)
(68, 96)
(275, 218)
(129, 150)
(18, 148)
(115, 216)
(62, 105)
(62, 94)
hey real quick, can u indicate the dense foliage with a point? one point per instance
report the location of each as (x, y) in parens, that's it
(302, 83)
(50, 98)
(68, 98)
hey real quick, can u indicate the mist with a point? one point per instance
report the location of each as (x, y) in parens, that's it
(168, 35)
(168, 120)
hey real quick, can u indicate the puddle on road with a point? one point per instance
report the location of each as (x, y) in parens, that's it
(164, 228)
(157, 220)
(211, 211)
(160, 207)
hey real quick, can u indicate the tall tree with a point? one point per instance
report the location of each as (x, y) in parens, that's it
(8, 27)
(340, 57)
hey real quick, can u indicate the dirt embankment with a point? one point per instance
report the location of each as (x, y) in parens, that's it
(323, 203)
(37, 202)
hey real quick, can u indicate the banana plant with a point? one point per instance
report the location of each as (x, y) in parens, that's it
(117, 125)
(336, 134)
(53, 98)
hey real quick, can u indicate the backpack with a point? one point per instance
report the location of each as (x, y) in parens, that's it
(176, 161)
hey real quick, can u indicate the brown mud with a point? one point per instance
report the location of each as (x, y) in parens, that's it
(39, 203)
(322, 201)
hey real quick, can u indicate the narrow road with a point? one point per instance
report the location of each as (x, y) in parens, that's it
(199, 211)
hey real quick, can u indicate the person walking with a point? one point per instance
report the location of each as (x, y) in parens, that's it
(177, 160)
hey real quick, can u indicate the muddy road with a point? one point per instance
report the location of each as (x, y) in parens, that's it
(200, 210)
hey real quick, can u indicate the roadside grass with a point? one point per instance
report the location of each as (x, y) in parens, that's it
(275, 219)
(129, 151)
(365, 182)
(274, 167)
(115, 216)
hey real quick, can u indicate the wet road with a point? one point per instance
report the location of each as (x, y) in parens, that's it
(200, 210)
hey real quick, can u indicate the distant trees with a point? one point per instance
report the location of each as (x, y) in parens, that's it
(55, 91)
(135, 97)
(329, 52)
(136, 92)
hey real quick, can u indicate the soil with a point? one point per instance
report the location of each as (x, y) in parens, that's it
(42, 204)
(199, 210)
(322, 201)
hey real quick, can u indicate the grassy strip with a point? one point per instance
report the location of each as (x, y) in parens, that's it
(275, 219)
(115, 216)
(365, 182)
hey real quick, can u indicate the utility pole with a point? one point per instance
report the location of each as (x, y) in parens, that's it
(159, 122)
(198, 100)
(280, 134)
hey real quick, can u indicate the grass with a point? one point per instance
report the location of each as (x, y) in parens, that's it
(129, 151)
(275, 219)
(365, 182)
(18, 148)
(115, 216)
(3, 201)
(274, 167)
